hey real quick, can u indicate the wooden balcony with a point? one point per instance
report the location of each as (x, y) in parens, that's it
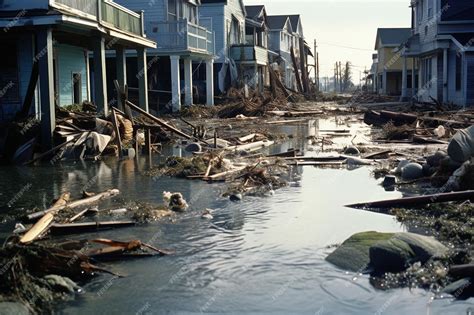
(109, 13)
(249, 54)
(181, 36)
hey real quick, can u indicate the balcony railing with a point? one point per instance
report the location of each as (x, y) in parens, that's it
(181, 35)
(104, 11)
(249, 53)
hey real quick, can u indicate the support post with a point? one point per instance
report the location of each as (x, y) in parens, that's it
(445, 76)
(210, 82)
(121, 65)
(413, 78)
(188, 82)
(384, 83)
(100, 76)
(46, 75)
(404, 80)
(175, 84)
(142, 77)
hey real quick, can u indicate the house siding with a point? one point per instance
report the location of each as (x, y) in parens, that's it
(70, 60)
(215, 13)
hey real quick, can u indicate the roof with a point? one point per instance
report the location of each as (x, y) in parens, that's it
(392, 37)
(277, 22)
(253, 11)
(295, 21)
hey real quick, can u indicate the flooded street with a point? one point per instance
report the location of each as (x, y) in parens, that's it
(261, 255)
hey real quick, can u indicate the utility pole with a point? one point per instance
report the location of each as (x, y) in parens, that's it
(340, 76)
(316, 65)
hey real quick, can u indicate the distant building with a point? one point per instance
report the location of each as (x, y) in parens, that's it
(441, 47)
(286, 33)
(44, 60)
(387, 76)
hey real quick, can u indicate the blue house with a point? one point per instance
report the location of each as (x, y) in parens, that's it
(185, 49)
(442, 50)
(227, 20)
(252, 56)
(44, 60)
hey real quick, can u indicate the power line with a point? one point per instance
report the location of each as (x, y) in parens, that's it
(347, 47)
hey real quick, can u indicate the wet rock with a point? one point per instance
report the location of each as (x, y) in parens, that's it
(353, 254)
(193, 147)
(435, 159)
(351, 150)
(385, 252)
(13, 308)
(412, 171)
(175, 201)
(461, 289)
(461, 146)
(236, 197)
(401, 165)
(396, 253)
(62, 284)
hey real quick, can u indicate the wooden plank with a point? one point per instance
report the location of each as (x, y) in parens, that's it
(75, 228)
(416, 201)
(299, 84)
(118, 139)
(75, 204)
(43, 224)
(25, 108)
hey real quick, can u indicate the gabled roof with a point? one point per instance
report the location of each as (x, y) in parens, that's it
(392, 37)
(277, 22)
(254, 11)
(295, 21)
(224, 2)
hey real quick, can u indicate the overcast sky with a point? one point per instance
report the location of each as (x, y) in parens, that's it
(350, 23)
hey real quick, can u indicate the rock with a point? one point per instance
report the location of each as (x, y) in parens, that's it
(435, 159)
(461, 289)
(175, 201)
(353, 254)
(401, 165)
(236, 197)
(13, 308)
(412, 171)
(351, 150)
(461, 146)
(396, 253)
(193, 147)
(385, 252)
(389, 181)
(62, 284)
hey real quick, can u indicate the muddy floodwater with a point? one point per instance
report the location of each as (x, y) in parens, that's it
(259, 256)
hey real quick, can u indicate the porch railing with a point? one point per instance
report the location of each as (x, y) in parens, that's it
(249, 53)
(181, 35)
(104, 11)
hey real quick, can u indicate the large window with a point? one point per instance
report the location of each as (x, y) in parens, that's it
(419, 11)
(9, 91)
(172, 10)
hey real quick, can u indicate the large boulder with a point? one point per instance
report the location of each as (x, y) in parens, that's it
(385, 252)
(353, 254)
(461, 147)
(403, 249)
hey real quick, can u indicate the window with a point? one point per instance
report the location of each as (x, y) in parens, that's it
(9, 91)
(458, 72)
(430, 9)
(419, 11)
(172, 10)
